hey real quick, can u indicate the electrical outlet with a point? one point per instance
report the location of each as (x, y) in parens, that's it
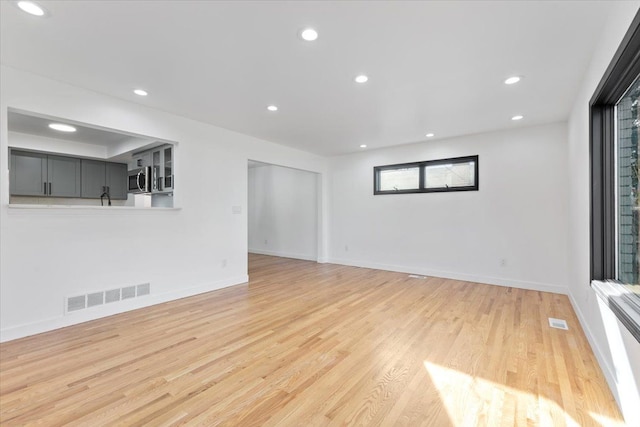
(224, 263)
(503, 262)
(346, 248)
(266, 242)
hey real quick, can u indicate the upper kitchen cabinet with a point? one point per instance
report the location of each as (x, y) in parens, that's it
(167, 160)
(36, 174)
(162, 169)
(93, 178)
(28, 174)
(116, 180)
(100, 178)
(63, 175)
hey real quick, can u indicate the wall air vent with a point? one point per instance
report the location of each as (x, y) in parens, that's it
(128, 292)
(81, 302)
(94, 299)
(112, 296)
(144, 289)
(558, 323)
(76, 303)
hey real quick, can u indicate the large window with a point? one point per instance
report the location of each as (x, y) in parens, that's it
(627, 203)
(456, 174)
(615, 186)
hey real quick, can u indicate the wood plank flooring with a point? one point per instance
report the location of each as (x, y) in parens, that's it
(306, 344)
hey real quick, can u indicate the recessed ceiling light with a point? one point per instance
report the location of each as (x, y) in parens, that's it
(31, 8)
(140, 92)
(518, 117)
(363, 145)
(361, 78)
(429, 135)
(272, 108)
(62, 127)
(512, 80)
(309, 34)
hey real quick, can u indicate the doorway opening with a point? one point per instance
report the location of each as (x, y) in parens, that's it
(282, 211)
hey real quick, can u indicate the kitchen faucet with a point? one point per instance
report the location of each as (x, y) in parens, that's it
(105, 192)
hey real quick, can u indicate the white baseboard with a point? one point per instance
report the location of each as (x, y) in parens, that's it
(498, 281)
(283, 254)
(609, 373)
(20, 331)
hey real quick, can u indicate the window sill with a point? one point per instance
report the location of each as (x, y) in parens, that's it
(626, 307)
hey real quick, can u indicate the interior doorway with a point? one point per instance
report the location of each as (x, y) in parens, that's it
(282, 211)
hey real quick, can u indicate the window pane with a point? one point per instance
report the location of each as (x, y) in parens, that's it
(399, 179)
(628, 121)
(450, 175)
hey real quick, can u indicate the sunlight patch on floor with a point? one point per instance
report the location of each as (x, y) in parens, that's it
(605, 421)
(471, 401)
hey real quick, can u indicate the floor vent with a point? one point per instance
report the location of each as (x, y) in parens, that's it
(558, 323)
(81, 302)
(415, 276)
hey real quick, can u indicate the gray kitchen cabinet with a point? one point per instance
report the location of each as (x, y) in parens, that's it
(63, 175)
(37, 174)
(93, 178)
(116, 180)
(98, 177)
(28, 174)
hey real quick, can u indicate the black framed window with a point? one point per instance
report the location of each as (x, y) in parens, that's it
(454, 174)
(615, 185)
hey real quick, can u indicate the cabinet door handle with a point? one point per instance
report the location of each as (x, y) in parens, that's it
(45, 188)
(49, 188)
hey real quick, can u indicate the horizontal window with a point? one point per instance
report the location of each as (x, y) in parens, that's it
(400, 179)
(450, 175)
(456, 174)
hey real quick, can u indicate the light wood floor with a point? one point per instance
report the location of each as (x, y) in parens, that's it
(306, 344)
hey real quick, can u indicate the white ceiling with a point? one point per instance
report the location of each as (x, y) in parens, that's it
(433, 66)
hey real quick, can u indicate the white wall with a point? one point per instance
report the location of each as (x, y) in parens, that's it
(616, 349)
(282, 212)
(519, 213)
(47, 254)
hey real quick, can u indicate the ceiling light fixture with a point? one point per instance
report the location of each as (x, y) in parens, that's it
(272, 108)
(518, 117)
(309, 34)
(361, 78)
(140, 92)
(31, 8)
(512, 80)
(429, 135)
(363, 145)
(62, 127)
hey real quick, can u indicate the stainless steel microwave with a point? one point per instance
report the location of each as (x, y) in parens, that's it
(140, 180)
